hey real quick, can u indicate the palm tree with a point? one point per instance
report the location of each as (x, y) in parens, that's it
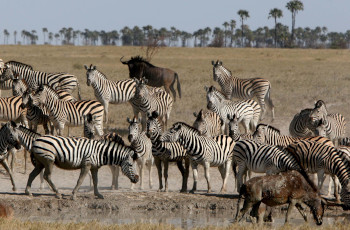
(232, 28)
(50, 37)
(44, 32)
(294, 6)
(15, 36)
(225, 24)
(6, 36)
(275, 13)
(243, 14)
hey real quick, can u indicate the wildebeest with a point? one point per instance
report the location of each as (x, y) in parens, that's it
(286, 187)
(156, 76)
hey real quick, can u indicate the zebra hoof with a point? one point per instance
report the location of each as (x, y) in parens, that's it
(58, 196)
(14, 189)
(99, 196)
(27, 192)
(192, 191)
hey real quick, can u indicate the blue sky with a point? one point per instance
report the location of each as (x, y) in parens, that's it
(188, 15)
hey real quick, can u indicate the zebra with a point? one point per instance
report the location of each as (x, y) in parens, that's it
(107, 91)
(68, 112)
(222, 107)
(262, 158)
(148, 99)
(142, 146)
(79, 153)
(301, 125)
(166, 152)
(6, 85)
(206, 151)
(11, 110)
(233, 129)
(208, 124)
(243, 88)
(34, 79)
(344, 141)
(266, 134)
(319, 158)
(332, 126)
(8, 139)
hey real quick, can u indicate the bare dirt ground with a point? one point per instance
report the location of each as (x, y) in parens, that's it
(132, 206)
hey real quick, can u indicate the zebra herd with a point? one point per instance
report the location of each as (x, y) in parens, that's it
(316, 144)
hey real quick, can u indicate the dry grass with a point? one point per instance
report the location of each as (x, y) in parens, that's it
(298, 77)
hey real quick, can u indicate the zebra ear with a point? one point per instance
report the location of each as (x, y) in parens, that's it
(93, 67)
(220, 62)
(13, 124)
(129, 120)
(177, 126)
(86, 67)
(212, 62)
(195, 114)
(155, 114)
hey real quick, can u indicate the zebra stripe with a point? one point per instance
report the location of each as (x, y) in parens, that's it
(234, 87)
(107, 91)
(266, 134)
(241, 109)
(166, 152)
(208, 124)
(332, 127)
(68, 112)
(10, 110)
(261, 158)
(148, 99)
(34, 79)
(206, 151)
(301, 125)
(80, 153)
(319, 158)
(345, 141)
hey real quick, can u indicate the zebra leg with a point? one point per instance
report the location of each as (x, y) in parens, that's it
(115, 174)
(105, 105)
(224, 171)
(149, 165)
(9, 171)
(94, 172)
(195, 176)
(13, 158)
(42, 181)
(182, 170)
(38, 168)
(47, 177)
(84, 170)
(158, 164)
(166, 169)
(207, 175)
(25, 160)
(187, 172)
(241, 171)
(320, 178)
(142, 166)
(292, 203)
(336, 188)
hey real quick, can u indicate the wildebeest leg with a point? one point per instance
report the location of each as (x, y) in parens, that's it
(246, 206)
(158, 164)
(166, 169)
(255, 213)
(38, 168)
(206, 174)
(292, 203)
(94, 172)
(301, 210)
(9, 171)
(241, 171)
(84, 170)
(47, 177)
(195, 176)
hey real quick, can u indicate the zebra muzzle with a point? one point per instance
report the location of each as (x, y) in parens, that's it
(23, 106)
(136, 179)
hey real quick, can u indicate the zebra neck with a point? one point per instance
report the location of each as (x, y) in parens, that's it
(27, 137)
(112, 153)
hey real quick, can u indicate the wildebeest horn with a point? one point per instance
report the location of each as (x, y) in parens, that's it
(125, 62)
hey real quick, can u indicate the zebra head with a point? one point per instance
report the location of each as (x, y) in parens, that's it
(318, 112)
(9, 135)
(200, 122)
(173, 134)
(7, 73)
(43, 94)
(128, 167)
(90, 74)
(134, 128)
(212, 98)
(259, 136)
(233, 125)
(19, 86)
(141, 89)
(154, 128)
(89, 126)
(27, 99)
(321, 128)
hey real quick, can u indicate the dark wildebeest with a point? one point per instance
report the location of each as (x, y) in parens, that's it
(286, 187)
(156, 76)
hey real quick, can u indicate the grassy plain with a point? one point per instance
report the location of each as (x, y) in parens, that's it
(298, 76)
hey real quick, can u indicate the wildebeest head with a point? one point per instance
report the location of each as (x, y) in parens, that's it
(136, 66)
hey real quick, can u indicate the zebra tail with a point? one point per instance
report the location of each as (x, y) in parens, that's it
(79, 94)
(234, 166)
(178, 84)
(302, 171)
(268, 98)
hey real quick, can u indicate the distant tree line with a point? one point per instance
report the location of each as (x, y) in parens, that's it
(229, 35)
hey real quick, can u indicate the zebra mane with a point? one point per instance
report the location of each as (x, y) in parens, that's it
(140, 59)
(268, 127)
(19, 64)
(192, 129)
(49, 89)
(28, 131)
(102, 74)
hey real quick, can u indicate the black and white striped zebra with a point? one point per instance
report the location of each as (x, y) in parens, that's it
(233, 129)
(8, 139)
(58, 81)
(66, 112)
(142, 146)
(234, 87)
(107, 91)
(332, 126)
(267, 134)
(206, 151)
(11, 110)
(79, 153)
(149, 99)
(243, 111)
(319, 158)
(301, 125)
(166, 152)
(208, 123)
(262, 158)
